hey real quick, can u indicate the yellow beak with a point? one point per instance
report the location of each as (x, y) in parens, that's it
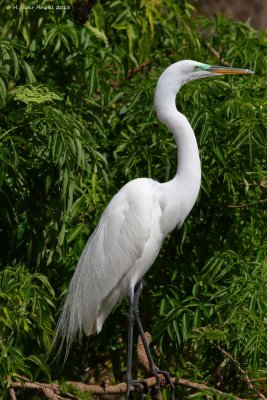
(229, 70)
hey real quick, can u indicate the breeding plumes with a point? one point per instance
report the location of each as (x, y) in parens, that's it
(133, 226)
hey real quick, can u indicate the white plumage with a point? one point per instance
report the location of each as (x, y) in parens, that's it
(132, 228)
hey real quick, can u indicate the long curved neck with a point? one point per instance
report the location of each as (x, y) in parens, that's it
(189, 168)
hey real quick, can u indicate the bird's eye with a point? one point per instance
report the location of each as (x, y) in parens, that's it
(196, 68)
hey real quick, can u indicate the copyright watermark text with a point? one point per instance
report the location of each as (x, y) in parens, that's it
(20, 7)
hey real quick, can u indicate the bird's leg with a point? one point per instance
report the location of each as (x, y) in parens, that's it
(140, 327)
(129, 380)
(153, 370)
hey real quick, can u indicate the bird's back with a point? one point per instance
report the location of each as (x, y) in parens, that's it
(122, 248)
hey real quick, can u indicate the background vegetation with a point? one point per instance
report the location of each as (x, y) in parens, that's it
(77, 122)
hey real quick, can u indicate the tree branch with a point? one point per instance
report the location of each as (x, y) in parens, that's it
(141, 354)
(53, 391)
(254, 203)
(12, 394)
(245, 375)
(217, 54)
(143, 362)
(118, 389)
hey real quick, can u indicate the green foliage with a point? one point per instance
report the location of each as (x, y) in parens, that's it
(34, 94)
(27, 308)
(77, 122)
(68, 388)
(226, 307)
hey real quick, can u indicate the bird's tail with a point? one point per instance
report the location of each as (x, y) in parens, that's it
(67, 329)
(70, 323)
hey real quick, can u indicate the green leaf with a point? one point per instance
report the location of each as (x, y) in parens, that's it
(74, 232)
(29, 74)
(26, 35)
(15, 63)
(61, 235)
(197, 319)
(2, 92)
(185, 326)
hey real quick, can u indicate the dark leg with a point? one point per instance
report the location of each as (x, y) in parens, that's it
(129, 380)
(153, 370)
(130, 341)
(140, 328)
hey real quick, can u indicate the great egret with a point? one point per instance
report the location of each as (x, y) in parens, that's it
(132, 228)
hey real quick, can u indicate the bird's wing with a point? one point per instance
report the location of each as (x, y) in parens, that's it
(116, 244)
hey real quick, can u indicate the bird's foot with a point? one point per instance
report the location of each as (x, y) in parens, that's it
(138, 385)
(167, 378)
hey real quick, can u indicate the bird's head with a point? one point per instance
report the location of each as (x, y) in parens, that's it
(195, 70)
(185, 71)
(181, 72)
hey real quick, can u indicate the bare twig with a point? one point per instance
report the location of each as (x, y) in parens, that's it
(243, 372)
(217, 54)
(143, 362)
(141, 354)
(134, 70)
(12, 394)
(50, 394)
(248, 204)
(130, 74)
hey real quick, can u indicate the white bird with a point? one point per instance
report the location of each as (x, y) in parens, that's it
(133, 226)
